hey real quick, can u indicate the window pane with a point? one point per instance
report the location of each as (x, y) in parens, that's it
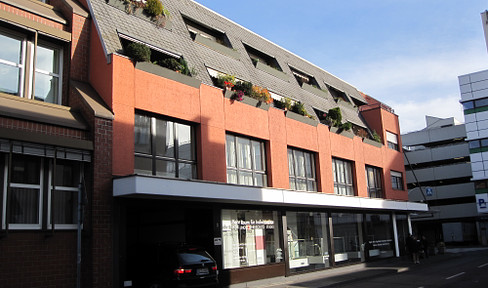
(185, 142)
(259, 180)
(291, 163)
(300, 164)
(481, 102)
(9, 79)
(164, 138)
(143, 165)
(292, 184)
(244, 153)
(67, 173)
(23, 206)
(309, 173)
(165, 168)
(46, 88)
(245, 178)
(232, 176)
(311, 185)
(186, 171)
(301, 184)
(65, 207)
(26, 169)
(257, 156)
(468, 105)
(47, 60)
(11, 49)
(142, 134)
(231, 151)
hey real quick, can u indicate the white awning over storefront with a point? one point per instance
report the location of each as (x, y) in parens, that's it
(156, 188)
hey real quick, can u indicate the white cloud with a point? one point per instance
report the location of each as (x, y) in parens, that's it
(419, 85)
(412, 113)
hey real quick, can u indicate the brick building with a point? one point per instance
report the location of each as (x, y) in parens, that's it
(175, 156)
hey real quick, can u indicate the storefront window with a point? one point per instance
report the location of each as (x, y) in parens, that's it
(348, 237)
(308, 243)
(380, 242)
(250, 238)
(402, 228)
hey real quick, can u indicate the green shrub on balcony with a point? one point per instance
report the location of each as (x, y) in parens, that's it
(138, 52)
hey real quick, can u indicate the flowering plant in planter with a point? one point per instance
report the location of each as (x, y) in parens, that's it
(261, 94)
(152, 8)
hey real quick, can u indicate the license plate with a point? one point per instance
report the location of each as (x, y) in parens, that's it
(202, 271)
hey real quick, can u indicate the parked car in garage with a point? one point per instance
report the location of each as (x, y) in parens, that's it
(170, 265)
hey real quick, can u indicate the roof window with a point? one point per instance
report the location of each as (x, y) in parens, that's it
(210, 37)
(303, 78)
(338, 94)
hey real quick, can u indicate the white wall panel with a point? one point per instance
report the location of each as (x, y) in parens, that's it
(469, 118)
(470, 127)
(480, 116)
(475, 157)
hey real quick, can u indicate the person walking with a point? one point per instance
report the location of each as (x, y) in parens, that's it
(413, 247)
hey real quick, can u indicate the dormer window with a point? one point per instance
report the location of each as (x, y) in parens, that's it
(303, 78)
(210, 37)
(258, 56)
(338, 94)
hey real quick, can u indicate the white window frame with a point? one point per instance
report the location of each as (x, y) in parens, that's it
(341, 164)
(15, 226)
(392, 140)
(27, 70)
(66, 189)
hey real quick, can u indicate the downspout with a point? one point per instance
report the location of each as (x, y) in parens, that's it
(80, 223)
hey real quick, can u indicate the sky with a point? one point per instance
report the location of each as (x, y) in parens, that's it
(407, 54)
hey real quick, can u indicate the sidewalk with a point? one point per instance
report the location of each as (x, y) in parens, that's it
(351, 273)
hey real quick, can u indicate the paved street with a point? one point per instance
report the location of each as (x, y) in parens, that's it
(464, 269)
(467, 267)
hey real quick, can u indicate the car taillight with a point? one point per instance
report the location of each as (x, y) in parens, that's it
(214, 268)
(180, 271)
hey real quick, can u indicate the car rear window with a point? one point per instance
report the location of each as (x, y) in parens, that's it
(194, 257)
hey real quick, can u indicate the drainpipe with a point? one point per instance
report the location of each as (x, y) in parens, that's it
(80, 223)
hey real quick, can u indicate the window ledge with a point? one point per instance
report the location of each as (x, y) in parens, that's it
(38, 8)
(270, 70)
(216, 46)
(33, 110)
(313, 90)
(301, 118)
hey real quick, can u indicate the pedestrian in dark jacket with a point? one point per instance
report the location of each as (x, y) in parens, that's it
(413, 247)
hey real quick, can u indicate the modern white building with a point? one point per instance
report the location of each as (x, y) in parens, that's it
(438, 172)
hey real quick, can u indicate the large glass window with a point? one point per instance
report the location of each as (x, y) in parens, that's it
(308, 242)
(28, 77)
(380, 242)
(373, 180)
(348, 237)
(301, 167)
(343, 179)
(396, 180)
(250, 238)
(164, 148)
(246, 162)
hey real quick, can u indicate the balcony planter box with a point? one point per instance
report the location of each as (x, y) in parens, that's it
(301, 118)
(138, 12)
(248, 100)
(169, 74)
(313, 90)
(217, 47)
(270, 70)
(333, 129)
(228, 93)
(372, 142)
(347, 133)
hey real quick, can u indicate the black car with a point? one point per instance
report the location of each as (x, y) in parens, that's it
(179, 266)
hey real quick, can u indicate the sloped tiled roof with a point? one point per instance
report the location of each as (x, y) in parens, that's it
(175, 38)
